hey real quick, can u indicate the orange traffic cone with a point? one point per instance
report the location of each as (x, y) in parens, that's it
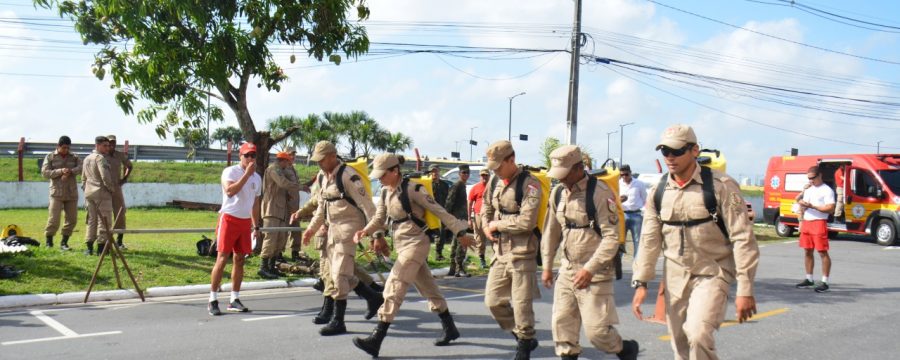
(659, 315)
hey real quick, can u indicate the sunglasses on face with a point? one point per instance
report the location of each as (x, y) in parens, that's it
(464, 172)
(812, 177)
(250, 155)
(626, 174)
(666, 151)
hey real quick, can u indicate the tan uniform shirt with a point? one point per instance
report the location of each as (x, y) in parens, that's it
(98, 181)
(294, 195)
(116, 160)
(62, 188)
(391, 206)
(276, 190)
(515, 222)
(340, 214)
(582, 247)
(706, 251)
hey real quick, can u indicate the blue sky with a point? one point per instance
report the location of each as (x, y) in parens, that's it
(437, 99)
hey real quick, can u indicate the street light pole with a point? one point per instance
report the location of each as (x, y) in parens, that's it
(878, 146)
(471, 138)
(621, 140)
(509, 134)
(607, 142)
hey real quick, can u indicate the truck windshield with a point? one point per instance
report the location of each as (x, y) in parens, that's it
(891, 179)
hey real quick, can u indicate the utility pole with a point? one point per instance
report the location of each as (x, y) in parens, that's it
(572, 111)
(878, 146)
(622, 140)
(607, 142)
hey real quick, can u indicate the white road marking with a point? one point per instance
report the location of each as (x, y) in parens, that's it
(56, 325)
(891, 248)
(278, 316)
(455, 297)
(5, 343)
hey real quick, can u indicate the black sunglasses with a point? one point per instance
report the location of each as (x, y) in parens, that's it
(666, 151)
(249, 155)
(812, 178)
(464, 172)
(626, 174)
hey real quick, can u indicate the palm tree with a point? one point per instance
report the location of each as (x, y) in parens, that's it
(398, 142)
(371, 136)
(226, 134)
(313, 129)
(280, 125)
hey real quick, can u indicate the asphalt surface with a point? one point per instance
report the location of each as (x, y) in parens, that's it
(857, 319)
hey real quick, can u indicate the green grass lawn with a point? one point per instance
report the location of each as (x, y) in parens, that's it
(149, 172)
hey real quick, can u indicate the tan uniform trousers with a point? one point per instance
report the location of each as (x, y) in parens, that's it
(509, 294)
(118, 205)
(410, 269)
(694, 317)
(481, 240)
(339, 261)
(296, 238)
(97, 208)
(56, 207)
(595, 306)
(273, 241)
(325, 270)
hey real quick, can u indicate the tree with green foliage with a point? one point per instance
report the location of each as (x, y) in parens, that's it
(173, 53)
(281, 125)
(313, 129)
(397, 142)
(226, 134)
(552, 143)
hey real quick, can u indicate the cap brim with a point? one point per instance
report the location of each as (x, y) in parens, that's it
(558, 173)
(492, 165)
(317, 157)
(673, 144)
(376, 174)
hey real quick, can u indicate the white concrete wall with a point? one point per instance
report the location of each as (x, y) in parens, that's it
(35, 194)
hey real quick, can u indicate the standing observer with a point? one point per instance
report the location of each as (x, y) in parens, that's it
(61, 167)
(118, 161)
(98, 192)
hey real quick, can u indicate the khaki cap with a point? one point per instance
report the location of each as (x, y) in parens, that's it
(497, 152)
(677, 136)
(484, 172)
(382, 163)
(323, 148)
(562, 159)
(111, 137)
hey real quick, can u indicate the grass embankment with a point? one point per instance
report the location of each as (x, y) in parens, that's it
(168, 172)
(156, 260)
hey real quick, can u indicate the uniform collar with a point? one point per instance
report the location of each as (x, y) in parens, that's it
(334, 171)
(581, 185)
(695, 177)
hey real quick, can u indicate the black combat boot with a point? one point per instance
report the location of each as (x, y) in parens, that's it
(119, 241)
(273, 268)
(448, 331)
(629, 351)
(336, 325)
(372, 344)
(452, 271)
(376, 286)
(64, 245)
(439, 249)
(569, 357)
(90, 248)
(373, 299)
(49, 241)
(326, 313)
(264, 270)
(524, 349)
(100, 248)
(319, 285)
(483, 262)
(295, 256)
(532, 345)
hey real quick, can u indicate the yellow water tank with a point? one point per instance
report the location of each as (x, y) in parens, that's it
(541, 176)
(713, 159)
(610, 176)
(431, 220)
(361, 166)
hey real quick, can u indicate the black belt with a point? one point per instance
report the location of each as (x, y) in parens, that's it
(416, 221)
(686, 224)
(633, 211)
(574, 226)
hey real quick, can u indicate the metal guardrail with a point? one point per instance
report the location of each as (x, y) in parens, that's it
(135, 152)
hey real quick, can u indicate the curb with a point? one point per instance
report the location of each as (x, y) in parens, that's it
(15, 301)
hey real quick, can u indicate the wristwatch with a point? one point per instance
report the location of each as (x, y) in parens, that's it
(637, 283)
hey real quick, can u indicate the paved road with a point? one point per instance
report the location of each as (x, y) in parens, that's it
(858, 319)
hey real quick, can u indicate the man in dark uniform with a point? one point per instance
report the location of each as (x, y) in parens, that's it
(457, 205)
(441, 190)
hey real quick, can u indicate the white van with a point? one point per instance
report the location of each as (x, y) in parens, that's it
(452, 176)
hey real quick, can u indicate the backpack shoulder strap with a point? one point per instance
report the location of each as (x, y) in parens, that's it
(557, 196)
(660, 189)
(589, 205)
(520, 184)
(404, 196)
(709, 198)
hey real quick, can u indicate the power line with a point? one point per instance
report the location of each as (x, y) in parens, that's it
(775, 37)
(846, 20)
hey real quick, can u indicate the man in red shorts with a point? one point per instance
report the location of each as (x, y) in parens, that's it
(241, 188)
(815, 205)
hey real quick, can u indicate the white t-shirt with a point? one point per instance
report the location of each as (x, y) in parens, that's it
(636, 193)
(241, 204)
(817, 196)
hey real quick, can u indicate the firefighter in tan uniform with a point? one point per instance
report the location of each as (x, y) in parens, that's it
(512, 284)
(295, 237)
(701, 260)
(277, 188)
(61, 167)
(98, 185)
(584, 288)
(346, 213)
(117, 162)
(411, 268)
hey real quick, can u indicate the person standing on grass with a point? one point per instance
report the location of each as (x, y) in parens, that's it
(61, 167)
(816, 204)
(241, 189)
(117, 162)
(97, 182)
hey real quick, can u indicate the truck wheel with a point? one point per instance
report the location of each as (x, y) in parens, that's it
(783, 229)
(832, 235)
(885, 232)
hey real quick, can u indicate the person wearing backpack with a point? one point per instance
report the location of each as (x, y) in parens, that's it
(698, 221)
(404, 203)
(509, 214)
(583, 221)
(345, 205)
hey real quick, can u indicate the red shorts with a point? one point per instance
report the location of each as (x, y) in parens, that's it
(814, 234)
(233, 235)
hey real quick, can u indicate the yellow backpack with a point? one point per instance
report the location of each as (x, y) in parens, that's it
(431, 221)
(610, 176)
(361, 166)
(12, 229)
